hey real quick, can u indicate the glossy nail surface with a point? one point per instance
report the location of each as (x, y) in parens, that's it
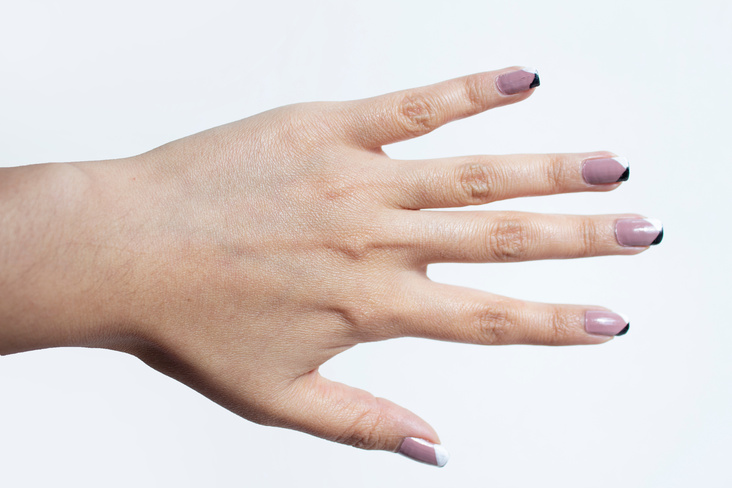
(606, 323)
(603, 171)
(517, 81)
(424, 451)
(638, 232)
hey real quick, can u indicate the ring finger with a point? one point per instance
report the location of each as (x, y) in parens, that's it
(474, 180)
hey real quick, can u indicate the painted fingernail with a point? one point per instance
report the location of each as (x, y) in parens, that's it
(517, 81)
(606, 323)
(638, 232)
(424, 451)
(601, 171)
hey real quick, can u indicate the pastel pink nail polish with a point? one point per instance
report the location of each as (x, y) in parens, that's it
(606, 323)
(638, 232)
(424, 451)
(517, 81)
(603, 171)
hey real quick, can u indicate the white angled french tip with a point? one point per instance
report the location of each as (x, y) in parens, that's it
(622, 160)
(624, 317)
(441, 455)
(655, 223)
(424, 451)
(533, 71)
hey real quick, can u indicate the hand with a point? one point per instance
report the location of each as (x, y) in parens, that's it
(240, 259)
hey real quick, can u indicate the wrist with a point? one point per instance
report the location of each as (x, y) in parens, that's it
(58, 280)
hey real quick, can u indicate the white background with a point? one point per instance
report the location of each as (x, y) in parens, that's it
(649, 80)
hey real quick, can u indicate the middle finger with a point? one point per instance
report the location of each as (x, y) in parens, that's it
(520, 236)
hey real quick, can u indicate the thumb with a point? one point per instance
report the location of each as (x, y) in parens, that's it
(340, 413)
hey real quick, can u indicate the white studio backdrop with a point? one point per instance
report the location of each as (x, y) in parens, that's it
(649, 80)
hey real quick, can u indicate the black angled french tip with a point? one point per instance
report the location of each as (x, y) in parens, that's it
(624, 331)
(658, 238)
(625, 176)
(536, 82)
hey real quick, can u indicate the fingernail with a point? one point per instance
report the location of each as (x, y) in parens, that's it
(606, 323)
(601, 171)
(638, 232)
(424, 451)
(517, 81)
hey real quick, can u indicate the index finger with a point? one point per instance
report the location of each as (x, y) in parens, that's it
(411, 113)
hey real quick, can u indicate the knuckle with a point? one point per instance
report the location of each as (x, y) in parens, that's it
(493, 325)
(556, 176)
(337, 190)
(475, 182)
(417, 115)
(344, 237)
(474, 94)
(356, 246)
(560, 326)
(368, 236)
(373, 311)
(589, 237)
(295, 118)
(358, 315)
(363, 430)
(508, 240)
(305, 124)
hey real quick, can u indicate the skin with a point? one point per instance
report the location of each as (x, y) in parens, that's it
(240, 259)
